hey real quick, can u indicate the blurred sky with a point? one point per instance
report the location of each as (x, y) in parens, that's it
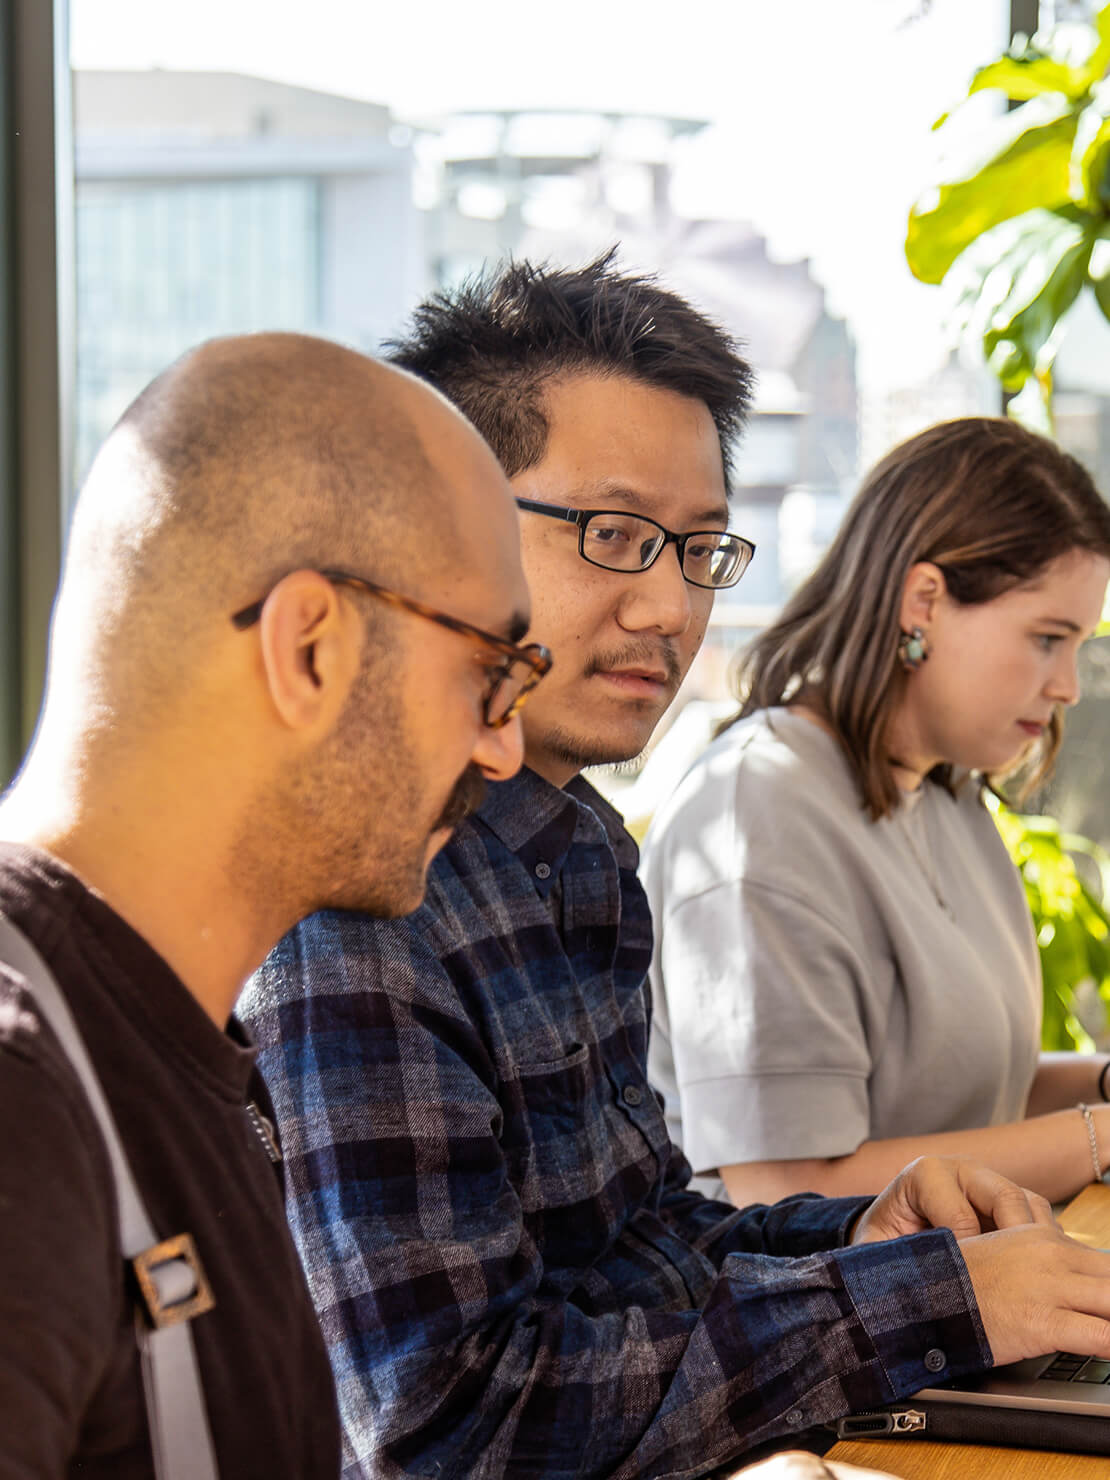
(820, 109)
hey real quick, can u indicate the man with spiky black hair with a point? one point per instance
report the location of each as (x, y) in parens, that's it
(612, 384)
(511, 1273)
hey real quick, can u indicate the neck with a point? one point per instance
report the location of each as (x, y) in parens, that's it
(907, 777)
(559, 773)
(908, 762)
(171, 880)
(910, 757)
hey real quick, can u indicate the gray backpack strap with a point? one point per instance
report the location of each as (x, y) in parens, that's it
(169, 1274)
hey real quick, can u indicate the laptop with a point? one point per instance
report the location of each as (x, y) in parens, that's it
(1060, 1401)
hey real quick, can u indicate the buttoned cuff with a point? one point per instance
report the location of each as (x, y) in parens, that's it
(916, 1303)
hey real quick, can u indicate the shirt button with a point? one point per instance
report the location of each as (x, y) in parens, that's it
(631, 1095)
(543, 871)
(795, 1418)
(935, 1360)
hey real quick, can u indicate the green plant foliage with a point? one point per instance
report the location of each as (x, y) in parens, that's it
(1018, 225)
(1068, 59)
(1072, 926)
(1028, 76)
(1014, 284)
(1020, 161)
(1087, 179)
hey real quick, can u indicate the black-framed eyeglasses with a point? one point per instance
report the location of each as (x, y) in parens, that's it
(511, 680)
(618, 540)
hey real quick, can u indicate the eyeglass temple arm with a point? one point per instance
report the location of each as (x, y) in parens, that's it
(248, 616)
(553, 511)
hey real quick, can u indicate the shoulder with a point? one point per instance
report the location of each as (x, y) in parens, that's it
(62, 1296)
(52, 1157)
(31, 1055)
(27, 1039)
(771, 792)
(772, 754)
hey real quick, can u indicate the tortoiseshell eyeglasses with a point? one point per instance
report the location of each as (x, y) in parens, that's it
(511, 679)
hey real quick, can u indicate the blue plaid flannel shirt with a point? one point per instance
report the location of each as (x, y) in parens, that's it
(511, 1275)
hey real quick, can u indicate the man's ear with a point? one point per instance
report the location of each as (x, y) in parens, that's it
(310, 650)
(925, 586)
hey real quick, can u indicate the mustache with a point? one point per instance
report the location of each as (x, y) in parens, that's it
(659, 653)
(466, 797)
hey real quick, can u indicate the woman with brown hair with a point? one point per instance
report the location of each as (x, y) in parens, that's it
(845, 974)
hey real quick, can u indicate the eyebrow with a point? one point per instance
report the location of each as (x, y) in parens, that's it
(1061, 622)
(718, 514)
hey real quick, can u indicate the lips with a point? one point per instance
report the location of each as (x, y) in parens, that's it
(641, 669)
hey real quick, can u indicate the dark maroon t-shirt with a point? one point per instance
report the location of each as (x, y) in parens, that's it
(70, 1388)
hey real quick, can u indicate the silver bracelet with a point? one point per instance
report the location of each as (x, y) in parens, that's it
(1089, 1120)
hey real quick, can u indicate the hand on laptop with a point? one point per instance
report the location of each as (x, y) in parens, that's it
(949, 1192)
(1040, 1291)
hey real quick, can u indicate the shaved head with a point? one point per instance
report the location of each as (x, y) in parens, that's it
(314, 754)
(248, 458)
(289, 589)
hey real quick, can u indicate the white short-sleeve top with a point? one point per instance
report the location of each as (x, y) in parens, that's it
(820, 979)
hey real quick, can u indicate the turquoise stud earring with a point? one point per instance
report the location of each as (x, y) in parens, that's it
(913, 649)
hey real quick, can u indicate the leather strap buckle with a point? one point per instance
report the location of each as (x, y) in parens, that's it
(172, 1281)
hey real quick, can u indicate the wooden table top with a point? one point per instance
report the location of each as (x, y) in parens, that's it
(1087, 1217)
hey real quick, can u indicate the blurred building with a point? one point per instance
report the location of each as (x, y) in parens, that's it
(798, 460)
(955, 389)
(1081, 399)
(566, 185)
(493, 180)
(213, 203)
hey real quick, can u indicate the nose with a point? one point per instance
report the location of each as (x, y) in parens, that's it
(657, 599)
(499, 754)
(1063, 686)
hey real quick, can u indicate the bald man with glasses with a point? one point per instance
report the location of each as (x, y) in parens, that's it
(511, 1272)
(284, 660)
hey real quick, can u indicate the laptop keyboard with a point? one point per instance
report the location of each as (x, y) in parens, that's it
(1068, 1367)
